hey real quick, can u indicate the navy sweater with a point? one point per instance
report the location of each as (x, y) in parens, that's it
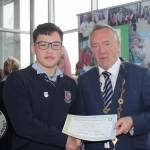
(38, 120)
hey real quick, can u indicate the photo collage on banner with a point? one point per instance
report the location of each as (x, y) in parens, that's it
(135, 15)
(86, 61)
(87, 21)
(139, 38)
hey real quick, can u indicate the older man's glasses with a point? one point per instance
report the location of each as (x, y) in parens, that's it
(43, 45)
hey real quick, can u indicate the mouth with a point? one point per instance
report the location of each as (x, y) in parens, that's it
(103, 57)
(49, 57)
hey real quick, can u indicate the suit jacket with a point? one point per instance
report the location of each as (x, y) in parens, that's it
(136, 104)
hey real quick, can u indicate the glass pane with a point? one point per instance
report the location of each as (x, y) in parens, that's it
(66, 10)
(25, 50)
(70, 42)
(110, 3)
(25, 15)
(14, 45)
(8, 15)
(41, 12)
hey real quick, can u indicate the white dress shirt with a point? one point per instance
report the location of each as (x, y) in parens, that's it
(114, 70)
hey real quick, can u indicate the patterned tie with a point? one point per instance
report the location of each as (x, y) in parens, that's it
(108, 90)
(48, 80)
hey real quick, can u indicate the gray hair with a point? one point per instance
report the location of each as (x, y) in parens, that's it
(103, 26)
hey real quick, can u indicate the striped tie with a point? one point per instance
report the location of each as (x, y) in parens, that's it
(108, 90)
(48, 80)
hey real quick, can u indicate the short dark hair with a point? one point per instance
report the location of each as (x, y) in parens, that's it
(47, 29)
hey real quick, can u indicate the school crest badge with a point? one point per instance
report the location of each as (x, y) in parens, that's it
(3, 125)
(67, 96)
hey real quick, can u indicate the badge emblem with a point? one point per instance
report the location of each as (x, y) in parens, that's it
(46, 94)
(67, 96)
(3, 125)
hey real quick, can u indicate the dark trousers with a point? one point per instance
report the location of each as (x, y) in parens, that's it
(134, 27)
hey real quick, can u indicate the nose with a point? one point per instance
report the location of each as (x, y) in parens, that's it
(101, 49)
(50, 50)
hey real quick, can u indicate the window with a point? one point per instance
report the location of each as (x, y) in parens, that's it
(24, 15)
(66, 19)
(25, 50)
(41, 12)
(70, 42)
(66, 10)
(8, 16)
(15, 45)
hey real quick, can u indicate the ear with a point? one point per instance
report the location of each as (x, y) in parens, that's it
(33, 49)
(118, 47)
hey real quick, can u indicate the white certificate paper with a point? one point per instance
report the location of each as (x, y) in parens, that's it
(91, 128)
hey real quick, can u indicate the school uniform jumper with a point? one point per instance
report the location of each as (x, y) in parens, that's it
(37, 110)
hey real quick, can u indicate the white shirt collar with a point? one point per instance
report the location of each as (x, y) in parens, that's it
(114, 69)
(39, 70)
(4, 79)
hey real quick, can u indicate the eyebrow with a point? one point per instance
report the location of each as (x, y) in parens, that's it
(103, 42)
(106, 42)
(49, 42)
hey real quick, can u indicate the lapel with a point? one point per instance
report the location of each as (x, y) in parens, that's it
(95, 87)
(120, 78)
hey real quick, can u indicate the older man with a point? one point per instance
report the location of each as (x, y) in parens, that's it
(116, 87)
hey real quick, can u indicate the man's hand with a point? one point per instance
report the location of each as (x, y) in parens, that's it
(123, 125)
(73, 143)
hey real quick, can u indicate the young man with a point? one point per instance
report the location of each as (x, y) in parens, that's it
(116, 87)
(39, 97)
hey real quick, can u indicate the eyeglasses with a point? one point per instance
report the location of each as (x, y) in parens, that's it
(43, 45)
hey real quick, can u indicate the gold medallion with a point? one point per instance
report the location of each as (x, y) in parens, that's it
(119, 109)
(105, 110)
(122, 90)
(120, 101)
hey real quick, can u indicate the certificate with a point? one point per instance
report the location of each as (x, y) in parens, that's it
(91, 128)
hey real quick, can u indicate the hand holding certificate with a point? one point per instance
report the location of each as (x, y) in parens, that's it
(91, 128)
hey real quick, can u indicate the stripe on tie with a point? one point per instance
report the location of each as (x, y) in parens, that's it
(107, 90)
